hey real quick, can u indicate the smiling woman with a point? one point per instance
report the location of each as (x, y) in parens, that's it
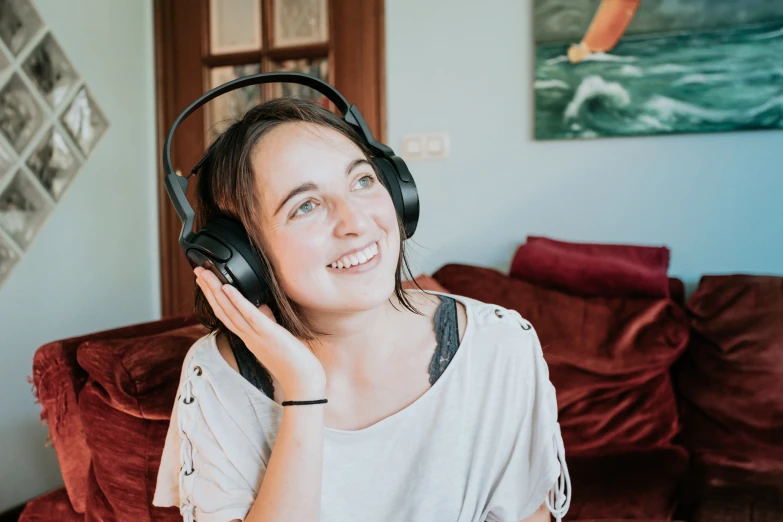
(407, 405)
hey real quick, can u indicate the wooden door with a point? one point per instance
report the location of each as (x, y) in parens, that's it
(203, 43)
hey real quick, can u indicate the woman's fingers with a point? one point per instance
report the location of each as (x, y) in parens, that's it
(256, 318)
(264, 309)
(217, 307)
(234, 315)
(236, 312)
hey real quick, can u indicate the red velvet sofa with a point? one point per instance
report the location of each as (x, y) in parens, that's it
(669, 410)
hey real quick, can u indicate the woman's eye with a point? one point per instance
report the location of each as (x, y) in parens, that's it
(369, 181)
(305, 207)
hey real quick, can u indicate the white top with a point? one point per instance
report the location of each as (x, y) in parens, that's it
(482, 444)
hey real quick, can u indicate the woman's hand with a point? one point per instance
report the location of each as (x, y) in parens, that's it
(293, 364)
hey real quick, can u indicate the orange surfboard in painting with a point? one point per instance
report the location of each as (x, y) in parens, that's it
(608, 26)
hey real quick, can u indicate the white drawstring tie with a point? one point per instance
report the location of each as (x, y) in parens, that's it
(561, 490)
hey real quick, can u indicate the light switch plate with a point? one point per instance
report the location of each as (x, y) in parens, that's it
(425, 146)
(436, 145)
(412, 147)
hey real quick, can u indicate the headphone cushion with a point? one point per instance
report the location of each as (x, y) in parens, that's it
(402, 190)
(392, 183)
(233, 233)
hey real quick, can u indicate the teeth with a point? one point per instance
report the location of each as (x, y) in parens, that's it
(358, 258)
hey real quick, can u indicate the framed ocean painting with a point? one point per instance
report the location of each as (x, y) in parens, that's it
(645, 67)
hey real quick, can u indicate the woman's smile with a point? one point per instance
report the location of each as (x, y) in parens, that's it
(361, 262)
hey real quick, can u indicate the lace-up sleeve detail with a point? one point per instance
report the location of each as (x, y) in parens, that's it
(198, 474)
(186, 399)
(535, 472)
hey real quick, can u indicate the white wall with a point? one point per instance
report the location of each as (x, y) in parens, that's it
(94, 265)
(466, 68)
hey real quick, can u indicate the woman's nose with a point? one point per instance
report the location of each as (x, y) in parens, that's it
(351, 218)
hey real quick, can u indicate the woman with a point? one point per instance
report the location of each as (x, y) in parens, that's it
(408, 405)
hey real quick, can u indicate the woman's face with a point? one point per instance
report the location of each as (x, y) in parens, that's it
(321, 204)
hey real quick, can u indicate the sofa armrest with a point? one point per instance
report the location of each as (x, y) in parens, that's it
(58, 378)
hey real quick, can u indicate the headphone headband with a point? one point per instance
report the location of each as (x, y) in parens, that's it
(256, 79)
(349, 112)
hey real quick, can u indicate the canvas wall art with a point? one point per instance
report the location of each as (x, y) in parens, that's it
(646, 67)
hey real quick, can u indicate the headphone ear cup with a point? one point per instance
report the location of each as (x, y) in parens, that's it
(238, 264)
(402, 188)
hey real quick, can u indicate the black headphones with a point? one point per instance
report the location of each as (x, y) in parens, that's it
(223, 246)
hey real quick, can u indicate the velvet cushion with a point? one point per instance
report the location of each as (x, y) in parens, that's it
(609, 358)
(125, 408)
(58, 379)
(50, 507)
(730, 494)
(593, 269)
(126, 456)
(740, 505)
(632, 486)
(730, 379)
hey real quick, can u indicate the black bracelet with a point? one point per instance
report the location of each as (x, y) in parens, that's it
(299, 403)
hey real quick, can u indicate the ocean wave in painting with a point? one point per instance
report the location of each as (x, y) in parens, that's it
(700, 82)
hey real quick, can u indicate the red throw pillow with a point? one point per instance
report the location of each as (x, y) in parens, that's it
(608, 358)
(125, 408)
(58, 379)
(730, 378)
(593, 269)
(140, 375)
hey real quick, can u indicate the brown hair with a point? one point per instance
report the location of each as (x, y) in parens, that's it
(227, 177)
